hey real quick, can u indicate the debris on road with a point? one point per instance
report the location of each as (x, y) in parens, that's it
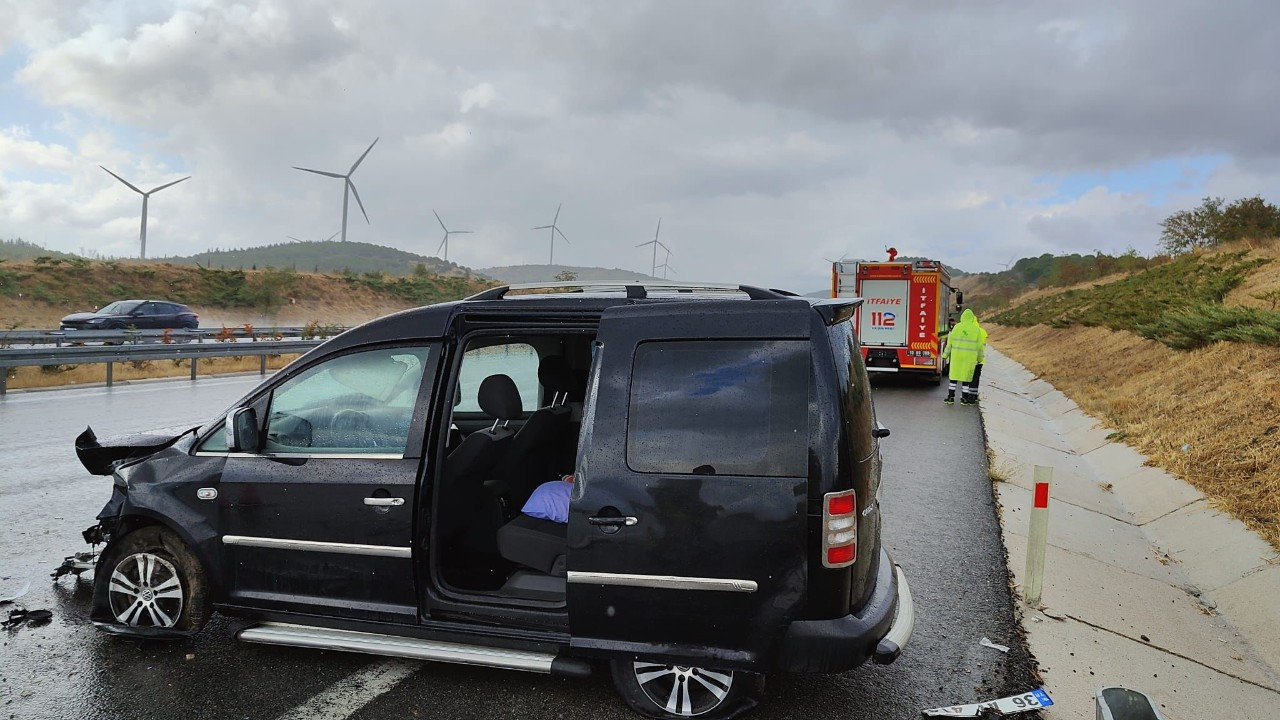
(10, 598)
(21, 616)
(1011, 705)
(75, 564)
(986, 642)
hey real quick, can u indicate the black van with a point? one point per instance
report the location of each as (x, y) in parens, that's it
(394, 491)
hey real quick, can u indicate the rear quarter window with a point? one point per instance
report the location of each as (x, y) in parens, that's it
(722, 407)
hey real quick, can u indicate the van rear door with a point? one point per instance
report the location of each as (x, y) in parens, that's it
(687, 525)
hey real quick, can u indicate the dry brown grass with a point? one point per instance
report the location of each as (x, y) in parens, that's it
(34, 377)
(1221, 402)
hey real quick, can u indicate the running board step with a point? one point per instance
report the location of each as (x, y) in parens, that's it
(308, 636)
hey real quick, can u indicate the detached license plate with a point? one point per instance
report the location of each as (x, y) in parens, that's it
(1011, 705)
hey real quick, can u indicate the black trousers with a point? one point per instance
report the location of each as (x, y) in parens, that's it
(977, 375)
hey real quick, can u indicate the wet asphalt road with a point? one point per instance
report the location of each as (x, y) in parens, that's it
(939, 524)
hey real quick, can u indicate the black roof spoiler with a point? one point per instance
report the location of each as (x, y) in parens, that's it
(636, 289)
(837, 310)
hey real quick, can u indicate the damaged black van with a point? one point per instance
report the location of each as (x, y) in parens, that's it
(715, 446)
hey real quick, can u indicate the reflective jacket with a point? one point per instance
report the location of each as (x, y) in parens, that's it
(966, 347)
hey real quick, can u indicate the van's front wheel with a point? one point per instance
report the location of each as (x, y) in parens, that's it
(152, 580)
(660, 690)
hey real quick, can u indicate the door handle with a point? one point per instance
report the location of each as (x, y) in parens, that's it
(613, 521)
(384, 501)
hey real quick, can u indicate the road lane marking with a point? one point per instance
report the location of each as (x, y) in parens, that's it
(345, 697)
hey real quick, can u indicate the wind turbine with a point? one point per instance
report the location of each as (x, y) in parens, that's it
(554, 230)
(447, 232)
(655, 242)
(666, 264)
(324, 240)
(1006, 265)
(349, 188)
(142, 236)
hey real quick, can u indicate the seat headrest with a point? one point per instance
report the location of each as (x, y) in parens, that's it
(499, 398)
(555, 375)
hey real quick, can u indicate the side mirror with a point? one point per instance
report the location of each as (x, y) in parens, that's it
(959, 298)
(242, 430)
(880, 431)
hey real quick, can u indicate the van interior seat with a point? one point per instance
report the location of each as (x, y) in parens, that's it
(542, 545)
(470, 515)
(538, 450)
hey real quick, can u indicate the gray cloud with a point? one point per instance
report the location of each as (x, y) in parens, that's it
(766, 136)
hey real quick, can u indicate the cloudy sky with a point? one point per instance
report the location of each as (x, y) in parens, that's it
(766, 135)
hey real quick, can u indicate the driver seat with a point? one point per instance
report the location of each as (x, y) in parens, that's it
(465, 513)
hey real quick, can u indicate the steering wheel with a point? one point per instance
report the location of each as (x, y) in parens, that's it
(352, 427)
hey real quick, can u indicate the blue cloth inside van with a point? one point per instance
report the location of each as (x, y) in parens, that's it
(550, 501)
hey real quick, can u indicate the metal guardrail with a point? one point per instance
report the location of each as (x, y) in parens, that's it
(58, 338)
(111, 354)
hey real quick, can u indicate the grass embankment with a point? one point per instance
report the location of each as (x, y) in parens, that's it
(39, 293)
(54, 376)
(1182, 360)
(1221, 403)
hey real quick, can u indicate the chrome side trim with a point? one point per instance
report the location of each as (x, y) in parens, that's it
(396, 646)
(317, 546)
(306, 456)
(665, 582)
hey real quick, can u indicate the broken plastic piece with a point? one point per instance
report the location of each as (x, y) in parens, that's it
(1011, 705)
(986, 642)
(1117, 703)
(21, 616)
(75, 564)
(10, 598)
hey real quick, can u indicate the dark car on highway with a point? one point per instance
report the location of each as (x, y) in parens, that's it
(715, 449)
(139, 314)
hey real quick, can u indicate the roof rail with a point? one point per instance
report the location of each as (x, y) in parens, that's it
(636, 289)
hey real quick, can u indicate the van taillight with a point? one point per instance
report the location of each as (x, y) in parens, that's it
(839, 529)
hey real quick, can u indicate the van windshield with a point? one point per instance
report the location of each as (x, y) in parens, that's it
(720, 407)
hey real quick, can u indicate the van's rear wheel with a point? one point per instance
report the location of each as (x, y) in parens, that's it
(661, 690)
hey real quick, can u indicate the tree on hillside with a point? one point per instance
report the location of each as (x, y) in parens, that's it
(1213, 224)
(1187, 230)
(566, 276)
(1249, 218)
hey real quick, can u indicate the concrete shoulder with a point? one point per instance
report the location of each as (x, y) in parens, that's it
(1146, 584)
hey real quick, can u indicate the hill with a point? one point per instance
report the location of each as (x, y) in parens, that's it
(1181, 360)
(515, 274)
(39, 293)
(323, 257)
(19, 249)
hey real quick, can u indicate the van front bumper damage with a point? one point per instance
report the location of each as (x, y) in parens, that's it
(878, 631)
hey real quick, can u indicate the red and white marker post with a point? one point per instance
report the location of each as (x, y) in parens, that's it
(1037, 537)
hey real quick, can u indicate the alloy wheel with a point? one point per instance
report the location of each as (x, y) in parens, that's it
(683, 691)
(146, 590)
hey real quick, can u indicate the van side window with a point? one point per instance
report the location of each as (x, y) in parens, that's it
(515, 359)
(720, 407)
(352, 404)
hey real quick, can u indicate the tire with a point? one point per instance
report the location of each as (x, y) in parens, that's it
(150, 579)
(660, 690)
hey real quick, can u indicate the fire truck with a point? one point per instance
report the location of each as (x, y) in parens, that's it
(907, 307)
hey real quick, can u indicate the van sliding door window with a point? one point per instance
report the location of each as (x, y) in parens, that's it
(519, 361)
(720, 407)
(360, 403)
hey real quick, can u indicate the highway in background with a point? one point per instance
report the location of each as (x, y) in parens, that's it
(939, 524)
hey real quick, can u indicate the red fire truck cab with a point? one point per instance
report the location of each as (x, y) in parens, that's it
(907, 308)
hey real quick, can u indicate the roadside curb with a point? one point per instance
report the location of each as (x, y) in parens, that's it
(1147, 585)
